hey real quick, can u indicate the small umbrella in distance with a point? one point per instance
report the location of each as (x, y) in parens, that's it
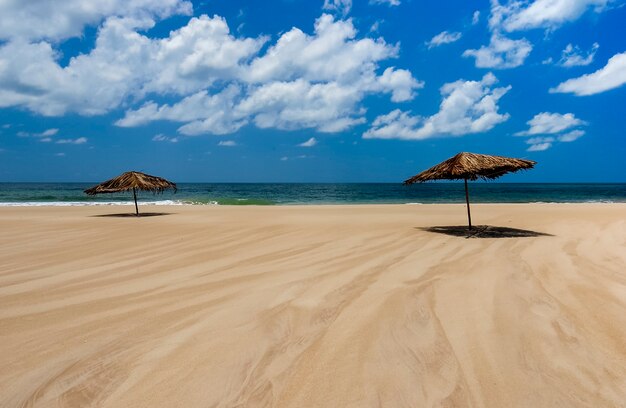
(471, 166)
(132, 180)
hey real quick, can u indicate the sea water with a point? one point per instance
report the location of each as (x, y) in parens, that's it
(68, 194)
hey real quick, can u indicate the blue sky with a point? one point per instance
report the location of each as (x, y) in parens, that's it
(310, 91)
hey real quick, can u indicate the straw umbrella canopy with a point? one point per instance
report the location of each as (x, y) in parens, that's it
(471, 166)
(132, 180)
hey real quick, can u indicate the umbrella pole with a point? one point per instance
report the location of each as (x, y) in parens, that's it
(469, 216)
(137, 208)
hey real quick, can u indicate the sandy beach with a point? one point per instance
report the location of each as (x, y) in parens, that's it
(313, 306)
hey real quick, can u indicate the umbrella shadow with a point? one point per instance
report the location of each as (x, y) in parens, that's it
(133, 215)
(484, 231)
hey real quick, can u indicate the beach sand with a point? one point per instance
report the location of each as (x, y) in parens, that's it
(313, 306)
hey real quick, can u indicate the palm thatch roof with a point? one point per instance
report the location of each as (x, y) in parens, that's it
(132, 180)
(471, 166)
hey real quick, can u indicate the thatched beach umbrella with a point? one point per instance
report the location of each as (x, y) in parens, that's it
(471, 166)
(132, 180)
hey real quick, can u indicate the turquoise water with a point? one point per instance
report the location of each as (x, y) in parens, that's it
(26, 194)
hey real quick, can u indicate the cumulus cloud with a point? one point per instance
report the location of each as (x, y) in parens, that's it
(467, 107)
(56, 20)
(90, 84)
(342, 6)
(123, 65)
(327, 107)
(399, 82)
(547, 123)
(309, 143)
(551, 123)
(501, 53)
(571, 136)
(202, 113)
(611, 76)
(549, 14)
(517, 15)
(572, 56)
(331, 53)
(444, 37)
(538, 144)
(303, 81)
(218, 82)
(198, 54)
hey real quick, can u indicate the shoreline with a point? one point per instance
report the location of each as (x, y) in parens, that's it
(173, 203)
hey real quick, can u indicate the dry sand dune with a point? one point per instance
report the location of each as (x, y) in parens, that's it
(313, 306)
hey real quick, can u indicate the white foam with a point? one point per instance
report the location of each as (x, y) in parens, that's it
(85, 203)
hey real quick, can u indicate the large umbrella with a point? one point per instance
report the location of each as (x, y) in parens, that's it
(132, 180)
(471, 166)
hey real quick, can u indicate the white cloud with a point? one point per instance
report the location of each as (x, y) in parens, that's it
(309, 143)
(467, 107)
(332, 53)
(520, 15)
(475, 17)
(551, 123)
(400, 83)
(538, 144)
(612, 75)
(90, 84)
(162, 138)
(546, 123)
(217, 82)
(198, 54)
(123, 65)
(203, 113)
(299, 157)
(60, 154)
(227, 143)
(327, 107)
(45, 134)
(444, 37)
(300, 82)
(571, 136)
(572, 56)
(342, 6)
(80, 140)
(395, 125)
(48, 133)
(387, 2)
(56, 20)
(549, 14)
(501, 53)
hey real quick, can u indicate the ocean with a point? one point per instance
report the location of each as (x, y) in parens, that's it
(68, 194)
